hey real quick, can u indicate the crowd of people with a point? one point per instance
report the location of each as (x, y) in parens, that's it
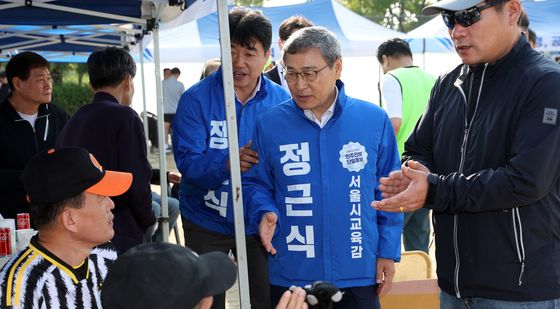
(331, 184)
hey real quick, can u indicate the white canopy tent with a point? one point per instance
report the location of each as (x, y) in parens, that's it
(199, 40)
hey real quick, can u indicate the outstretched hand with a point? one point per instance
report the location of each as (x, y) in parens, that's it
(413, 196)
(266, 231)
(394, 184)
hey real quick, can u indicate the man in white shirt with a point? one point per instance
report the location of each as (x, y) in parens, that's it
(405, 90)
(172, 91)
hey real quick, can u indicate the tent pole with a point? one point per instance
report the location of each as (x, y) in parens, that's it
(145, 114)
(235, 173)
(161, 140)
(424, 53)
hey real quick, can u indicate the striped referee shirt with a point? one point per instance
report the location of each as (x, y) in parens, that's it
(37, 279)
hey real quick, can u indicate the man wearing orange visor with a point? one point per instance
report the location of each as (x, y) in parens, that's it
(66, 262)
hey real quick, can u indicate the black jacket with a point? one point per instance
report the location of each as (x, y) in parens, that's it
(5, 92)
(496, 197)
(273, 75)
(19, 143)
(114, 134)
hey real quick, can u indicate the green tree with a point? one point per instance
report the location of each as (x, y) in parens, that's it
(71, 96)
(80, 70)
(248, 2)
(401, 15)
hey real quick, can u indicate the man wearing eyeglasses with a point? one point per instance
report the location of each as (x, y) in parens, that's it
(200, 146)
(484, 158)
(316, 177)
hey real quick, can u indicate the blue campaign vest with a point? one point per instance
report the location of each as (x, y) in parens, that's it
(201, 148)
(322, 182)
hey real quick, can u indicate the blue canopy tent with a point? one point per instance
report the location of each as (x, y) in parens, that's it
(142, 15)
(66, 27)
(544, 19)
(73, 27)
(358, 36)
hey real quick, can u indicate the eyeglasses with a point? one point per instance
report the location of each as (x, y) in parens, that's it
(307, 75)
(466, 17)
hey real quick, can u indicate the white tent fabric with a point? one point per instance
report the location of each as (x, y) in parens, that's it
(198, 41)
(431, 37)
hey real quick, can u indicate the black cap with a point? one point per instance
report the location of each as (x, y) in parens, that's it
(162, 275)
(58, 174)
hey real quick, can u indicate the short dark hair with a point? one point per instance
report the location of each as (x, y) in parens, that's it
(393, 48)
(291, 25)
(166, 69)
(109, 67)
(20, 66)
(175, 71)
(532, 36)
(247, 25)
(44, 215)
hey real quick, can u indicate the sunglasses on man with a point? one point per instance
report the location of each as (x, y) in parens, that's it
(466, 17)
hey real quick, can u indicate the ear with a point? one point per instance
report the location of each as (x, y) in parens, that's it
(16, 81)
(126, 83)
(267, 54)
(338, 67)
(513, 9)
(68, 219)
(385, 60)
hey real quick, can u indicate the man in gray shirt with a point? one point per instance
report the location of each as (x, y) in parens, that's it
(172, 91)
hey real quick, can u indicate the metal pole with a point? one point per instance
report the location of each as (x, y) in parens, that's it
(145, 114)
(161, 144)
(235, 180)
(424, 53)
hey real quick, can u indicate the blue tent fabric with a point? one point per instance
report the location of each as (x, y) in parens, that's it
(77, 27)
(33, 15)
(544, 19)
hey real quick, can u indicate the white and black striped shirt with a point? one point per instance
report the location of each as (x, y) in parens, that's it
(37, 279)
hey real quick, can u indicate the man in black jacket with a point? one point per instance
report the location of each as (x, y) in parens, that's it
(113, 133)
(28, 124)
(287, 27)
(484, 157)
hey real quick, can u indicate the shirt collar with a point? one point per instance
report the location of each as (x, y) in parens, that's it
(104, 96)
(327, 115)
(254, 94)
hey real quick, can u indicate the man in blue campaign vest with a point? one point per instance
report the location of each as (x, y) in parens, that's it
(315, 178)
(200, 142)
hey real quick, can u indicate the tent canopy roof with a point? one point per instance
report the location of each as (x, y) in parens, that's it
(73, 27)
(198, 41)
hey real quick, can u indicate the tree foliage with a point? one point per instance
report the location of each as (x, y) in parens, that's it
(400, 15)
(248, 2)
